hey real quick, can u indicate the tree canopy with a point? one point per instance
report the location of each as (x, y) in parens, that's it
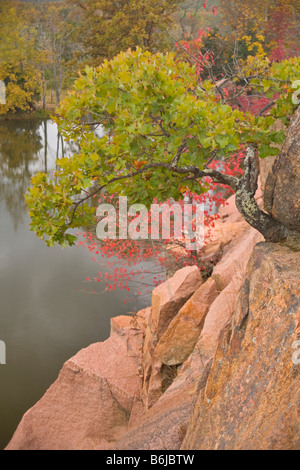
(276, 20)
(162, 128)
(17, 58)
(110, 27)
(45, 43)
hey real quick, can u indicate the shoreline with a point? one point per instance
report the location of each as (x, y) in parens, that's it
(40, 114)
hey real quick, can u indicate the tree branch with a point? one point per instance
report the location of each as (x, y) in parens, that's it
(269, 105)
(245, 189)
(216, 176)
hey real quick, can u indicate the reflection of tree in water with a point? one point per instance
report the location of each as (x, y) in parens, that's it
(27, 147)
(20, 144)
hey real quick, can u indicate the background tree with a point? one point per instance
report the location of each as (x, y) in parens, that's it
(18, 57)
(277, 20)
(108, 27)
(57, 39)
(194, 14)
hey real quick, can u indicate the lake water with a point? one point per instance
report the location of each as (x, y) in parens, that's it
(44, 320)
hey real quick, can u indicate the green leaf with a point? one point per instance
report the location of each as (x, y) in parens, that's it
(267, 151)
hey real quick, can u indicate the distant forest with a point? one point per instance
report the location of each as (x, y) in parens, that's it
(46, 43)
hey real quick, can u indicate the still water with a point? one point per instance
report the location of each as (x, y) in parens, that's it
(44, 320)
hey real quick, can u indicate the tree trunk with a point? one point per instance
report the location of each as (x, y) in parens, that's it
(57, 68)
(282, 222)
(44, 89)
(46, 146)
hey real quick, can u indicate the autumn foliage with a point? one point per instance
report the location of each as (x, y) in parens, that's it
(163, 99)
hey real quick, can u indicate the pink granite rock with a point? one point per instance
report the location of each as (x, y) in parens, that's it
(91, 402)
(168, 298)
(138, 320)
(220, 313)
(224, 233)
(235, 258)
(229, 208)
(251, 399)
(164, 425)
(179, 340)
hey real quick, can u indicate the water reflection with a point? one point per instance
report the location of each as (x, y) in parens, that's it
(19, 147)
(44, 319)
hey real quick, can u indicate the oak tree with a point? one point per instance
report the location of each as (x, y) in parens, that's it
(162, 131)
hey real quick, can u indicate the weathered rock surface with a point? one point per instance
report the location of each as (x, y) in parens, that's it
(208, 366)
(265, 165)
(164, 425)
(282, 192)
(229, 209)
(251, 400)
(228, 229)
(235, 258)
(224, 233)
(118, 324)
(122, 323)
(91, 402)
(220, 313)
(179, 340)
(169, 297)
